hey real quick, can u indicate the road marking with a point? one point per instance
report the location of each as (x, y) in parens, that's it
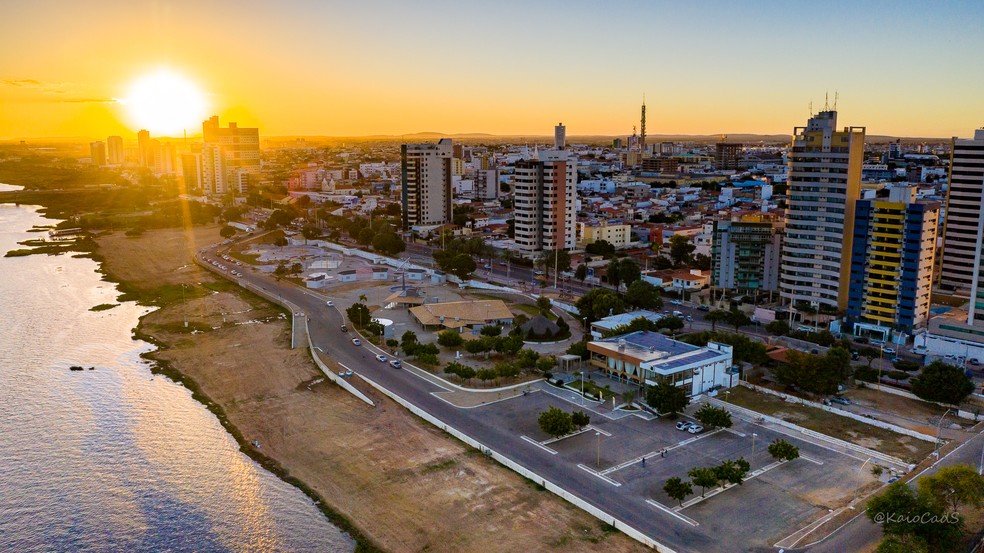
(600, 431)
(736, 433)
(808, 439)
(811, 459)
(599, 475)
(669, 511)
(638, 460)
(722, 489)
(806, 530)
(807, 546)
(539, 445)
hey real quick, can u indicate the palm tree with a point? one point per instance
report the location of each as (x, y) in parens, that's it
(363, 298)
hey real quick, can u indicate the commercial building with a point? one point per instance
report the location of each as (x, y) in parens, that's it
(963, 234)
(461, 315)
(426, 177)
(544, 201)
(229, 157)
(746, 253)
(824, 183)
(892, 264)
(611, 322)
(617, 234)
(114, 147)
(191, 170)
(97, 152)
(651, 358)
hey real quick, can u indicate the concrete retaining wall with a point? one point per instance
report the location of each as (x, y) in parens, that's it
(526, 473)
(344, 384)
(841, 412)
(893, 390)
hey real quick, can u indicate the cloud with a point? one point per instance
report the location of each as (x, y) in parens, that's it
(88, 100)
(57, 92)
(31, 83)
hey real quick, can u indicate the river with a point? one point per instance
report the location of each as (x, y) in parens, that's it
(116, 458)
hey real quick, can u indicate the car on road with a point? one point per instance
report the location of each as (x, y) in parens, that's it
(344, 328)
(381, 358)
(357, 341)
(684, 425)
(888, 351)
(395, 363)
(695, 429)
(973, 361)
(703, 308)
(345, 373)
(538, 273)
(488, 266)
(689, 318)
(840, 400)
(676, 302)
(330, 303)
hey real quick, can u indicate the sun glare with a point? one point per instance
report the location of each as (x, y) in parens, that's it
(165, 102)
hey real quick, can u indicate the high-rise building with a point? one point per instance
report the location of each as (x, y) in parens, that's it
(487, 184)
(892, 263)
(426, 175)
(824, 184)
(97, 151)
(191, 170)
(115, 150)
(642, 127)
(727, 156)
(560, 136)
(161, 157)
(746, 253)
(143, 147)
(963, 234)
(544, 201)
(230, 157)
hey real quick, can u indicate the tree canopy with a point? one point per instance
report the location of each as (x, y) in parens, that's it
(941, 382)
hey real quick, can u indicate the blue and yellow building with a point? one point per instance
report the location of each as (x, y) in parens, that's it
(892, 263)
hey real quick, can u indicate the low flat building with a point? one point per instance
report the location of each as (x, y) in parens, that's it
(462, 314)
(618, 235)
(599, 327)
(650, 358)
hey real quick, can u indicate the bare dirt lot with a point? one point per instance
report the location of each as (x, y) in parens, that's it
(402, 483)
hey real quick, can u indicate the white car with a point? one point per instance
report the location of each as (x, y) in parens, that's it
(357, 341)
(538, 273)
(395, 363)
(888, 351)
(330, 303)
(695, 429)
(684, 425)
(381, 358)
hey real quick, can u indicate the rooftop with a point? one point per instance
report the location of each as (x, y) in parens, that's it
(655, 351)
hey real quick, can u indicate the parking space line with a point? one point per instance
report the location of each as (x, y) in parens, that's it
(805, 531)
(805, 438)
(736, 433)
(631, 462)
(539, 445)
(669, 511)
(600, 431)
(564, 437)
(811, 459)
(599, 475)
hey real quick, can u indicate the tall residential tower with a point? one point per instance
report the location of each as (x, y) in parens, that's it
(426, 175)
(963, 236)
(544, 201)
(824, 184)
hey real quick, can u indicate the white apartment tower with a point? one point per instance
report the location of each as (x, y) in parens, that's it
(963, 233)
(229, 157)
(824, 184)
(544, 201)
(426, 176)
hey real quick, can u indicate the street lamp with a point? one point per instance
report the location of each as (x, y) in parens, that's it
(858, 489)
(598, 435)
(939, 432)
(754, 435)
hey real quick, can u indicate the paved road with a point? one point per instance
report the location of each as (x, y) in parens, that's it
(325, 331)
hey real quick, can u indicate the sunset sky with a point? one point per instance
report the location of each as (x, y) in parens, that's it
(506, 67)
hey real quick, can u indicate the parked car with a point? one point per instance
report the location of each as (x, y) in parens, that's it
(888, 351)
(973, 361)
(695, 429)
(488, 266)
(538, 273)
(395, 363)
(357, 341)
(676, 302)
(703, 308)
(330, 303)
(840, 400)
(684, 425)
(381, 358)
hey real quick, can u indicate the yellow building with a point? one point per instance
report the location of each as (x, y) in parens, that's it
(619, 235)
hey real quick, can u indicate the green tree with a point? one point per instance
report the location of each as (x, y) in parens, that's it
(667, 399)
(904, 543)
(227, 231)
(476, 346)
(388, 243)
(703, 477)
(941, 382)
(643, 295)
(599, 303)
(359, 314)
(549, 258)
(449, 338)
(545, 363)
(611, 272)
(466, 373)
(581, 273)
(462, 266)
(310, 232)
(782, 450)
(580, 349)
(555, 422)
(580, 419)
(628, 271)
(713, 417)
(953, 486)
(681, 249)
(738, 319)
(818, 374)
(901, 512)
(408, 342)
(717, 316)
(677, 489)
(600, 247)
(672, 324)
(543, 305)
(777, 328)
(491, 330)
(487, 374)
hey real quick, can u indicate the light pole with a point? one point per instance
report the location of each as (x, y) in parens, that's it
(939, 432)
(754, 435)
(598, 435)
(858, 489)
(980, 469)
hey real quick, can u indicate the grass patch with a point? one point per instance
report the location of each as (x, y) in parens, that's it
(103, 306)
(245, 258)
(850, 430)
(531, 310)
(590, 388)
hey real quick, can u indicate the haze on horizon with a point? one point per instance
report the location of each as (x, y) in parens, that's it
(518, 68)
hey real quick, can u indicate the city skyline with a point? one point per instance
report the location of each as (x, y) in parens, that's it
(901, 69)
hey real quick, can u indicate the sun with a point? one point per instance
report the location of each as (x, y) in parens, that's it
(165, 102)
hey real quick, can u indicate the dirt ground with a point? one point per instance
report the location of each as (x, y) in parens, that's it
(404, 484)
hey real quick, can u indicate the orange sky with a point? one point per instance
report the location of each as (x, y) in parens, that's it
(326, 68)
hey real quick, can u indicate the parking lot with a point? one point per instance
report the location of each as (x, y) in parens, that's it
(763, 510)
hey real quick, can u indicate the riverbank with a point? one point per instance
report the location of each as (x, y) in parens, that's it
(394, 482)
